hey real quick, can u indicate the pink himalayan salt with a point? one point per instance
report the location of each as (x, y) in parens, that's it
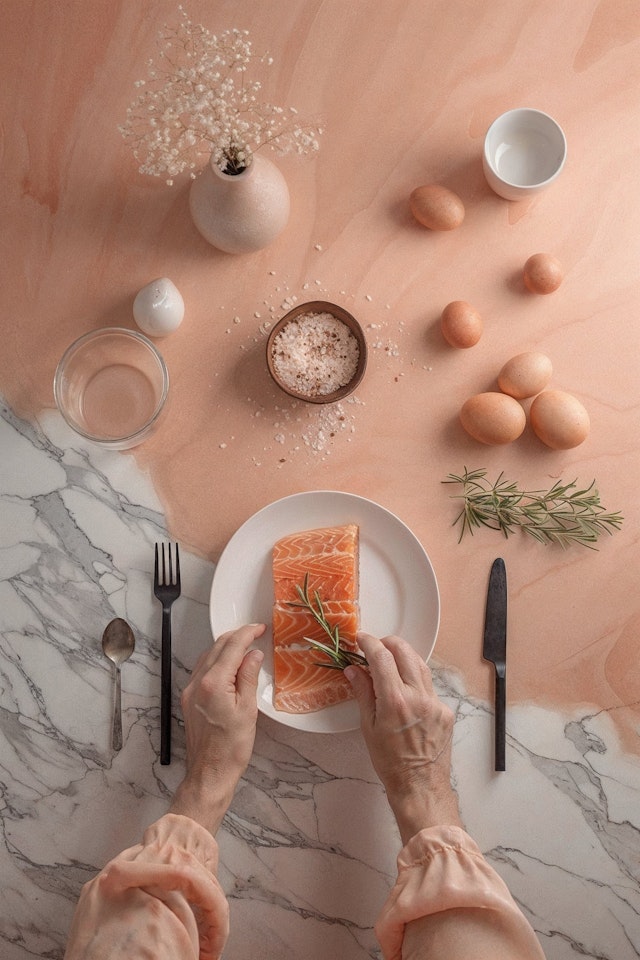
(315, 354)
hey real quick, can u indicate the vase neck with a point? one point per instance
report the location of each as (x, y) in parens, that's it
(230, 177)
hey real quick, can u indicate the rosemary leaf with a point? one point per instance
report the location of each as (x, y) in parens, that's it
(564, 514)
(339, 657)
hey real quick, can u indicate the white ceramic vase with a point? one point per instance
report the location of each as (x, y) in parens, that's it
(240, 212)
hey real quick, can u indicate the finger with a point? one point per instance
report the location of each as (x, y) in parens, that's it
(382, 666)
(201, 660)
(362, 687)
(200, 669)
(246, 633)
(247, 679)
(230, 647)
(411, 667)
(228, 650)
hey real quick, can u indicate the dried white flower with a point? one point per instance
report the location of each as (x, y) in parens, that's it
(205, 106)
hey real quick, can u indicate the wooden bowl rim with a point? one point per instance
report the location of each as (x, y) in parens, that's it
(321, 306)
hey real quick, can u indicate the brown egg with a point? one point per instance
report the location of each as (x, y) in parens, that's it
(559, 419)
(493, 418)
(436, 207)
(461, 324)
(543, 273)
(525, 375)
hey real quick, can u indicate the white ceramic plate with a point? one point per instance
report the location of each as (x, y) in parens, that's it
(398, 588)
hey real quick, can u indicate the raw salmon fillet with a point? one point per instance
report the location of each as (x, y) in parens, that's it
(329, 556)
(291, 624)
(301, 687)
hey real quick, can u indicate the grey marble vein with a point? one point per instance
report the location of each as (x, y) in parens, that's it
(308, 846)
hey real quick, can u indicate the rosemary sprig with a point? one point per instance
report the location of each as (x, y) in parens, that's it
(339, 657)
(563, 514)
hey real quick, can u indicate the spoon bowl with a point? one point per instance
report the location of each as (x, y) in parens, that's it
(118, 643)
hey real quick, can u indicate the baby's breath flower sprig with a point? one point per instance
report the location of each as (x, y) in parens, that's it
(198, 103)
(339, 656)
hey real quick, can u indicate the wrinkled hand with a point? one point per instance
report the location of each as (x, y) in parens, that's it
(220, 713)
(408, 732)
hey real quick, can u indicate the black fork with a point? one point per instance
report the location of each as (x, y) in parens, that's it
(166, 586)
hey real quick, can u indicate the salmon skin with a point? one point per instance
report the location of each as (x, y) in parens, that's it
(328, 556)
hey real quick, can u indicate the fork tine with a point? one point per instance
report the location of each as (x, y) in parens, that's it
(170, 576)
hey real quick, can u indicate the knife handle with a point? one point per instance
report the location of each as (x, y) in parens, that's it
(500, 720)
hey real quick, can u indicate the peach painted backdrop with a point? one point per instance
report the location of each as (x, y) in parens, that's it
(405, 90)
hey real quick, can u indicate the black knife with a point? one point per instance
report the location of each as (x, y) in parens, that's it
(495, 650)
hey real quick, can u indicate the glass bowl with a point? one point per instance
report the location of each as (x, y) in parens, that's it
(111, 387)
(299, 364)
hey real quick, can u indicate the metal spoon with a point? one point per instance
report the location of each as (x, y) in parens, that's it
(118, 642)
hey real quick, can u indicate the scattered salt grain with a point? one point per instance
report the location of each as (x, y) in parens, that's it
(390, 348)
(326, 423)
(315, 354)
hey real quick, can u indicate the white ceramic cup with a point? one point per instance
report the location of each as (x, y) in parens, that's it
(524, 152)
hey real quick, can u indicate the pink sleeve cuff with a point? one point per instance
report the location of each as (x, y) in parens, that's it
(160, 897)
(440, 869)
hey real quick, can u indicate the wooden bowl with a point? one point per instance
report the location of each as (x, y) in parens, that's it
(320, 306)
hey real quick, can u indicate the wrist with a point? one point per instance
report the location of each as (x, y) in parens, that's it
(418, 809)
(204, 801)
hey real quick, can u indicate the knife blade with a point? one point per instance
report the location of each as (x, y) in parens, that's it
(495, 650)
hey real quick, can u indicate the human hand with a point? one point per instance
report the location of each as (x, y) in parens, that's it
(220, 712)
(408, 732)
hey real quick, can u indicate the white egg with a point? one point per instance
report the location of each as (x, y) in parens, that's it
(158, 308)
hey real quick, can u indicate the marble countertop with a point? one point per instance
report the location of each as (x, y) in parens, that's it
(308, 847)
